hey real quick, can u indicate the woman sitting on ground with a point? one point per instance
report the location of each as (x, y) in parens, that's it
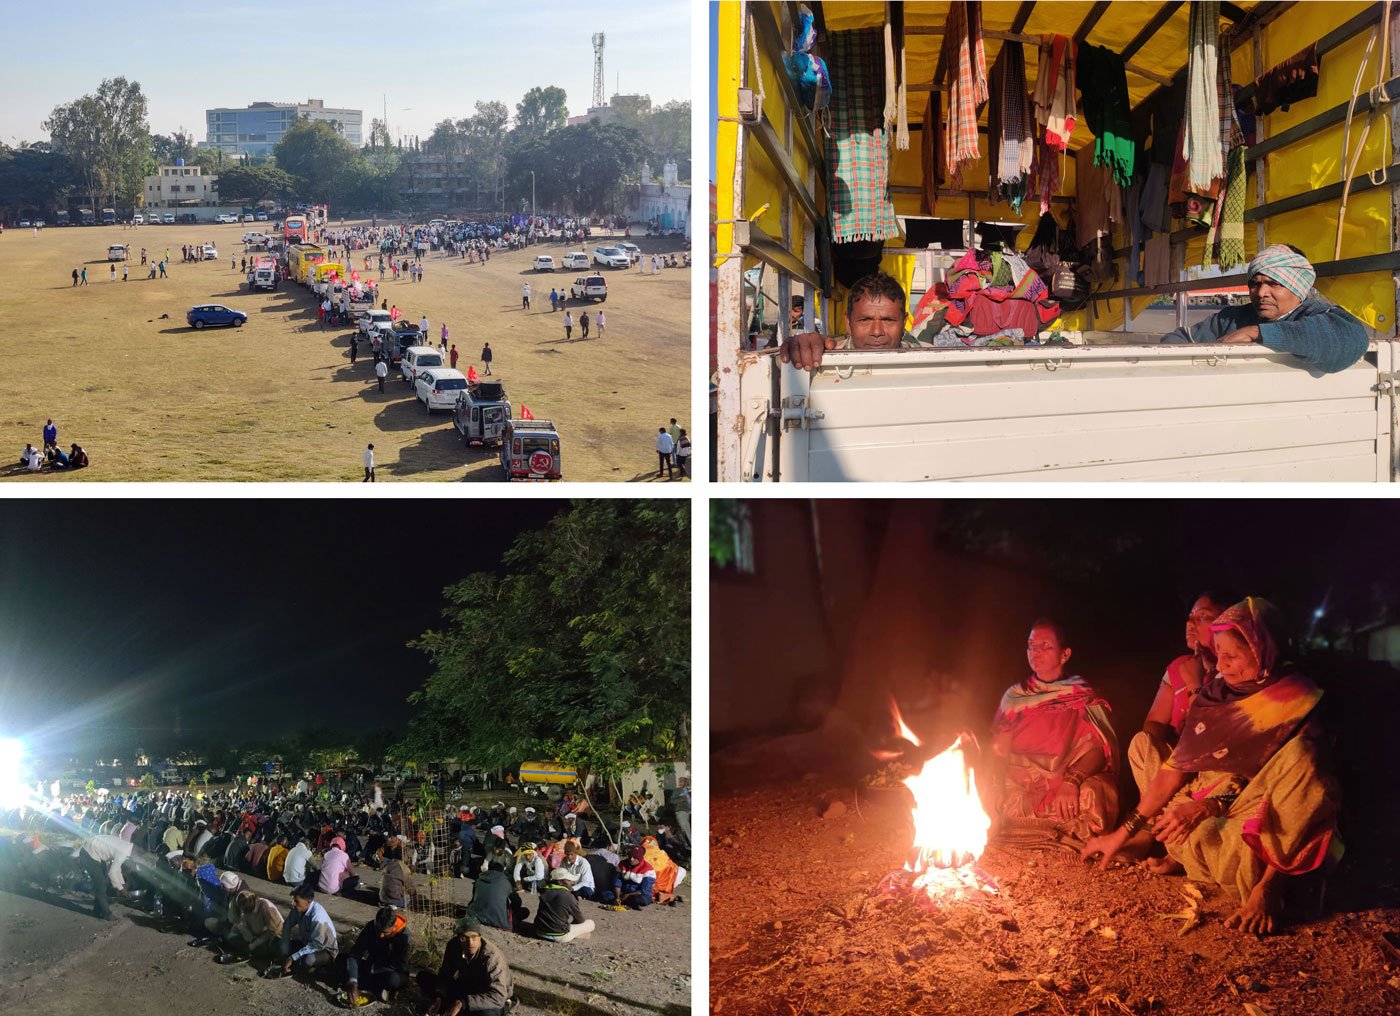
(1183, 678)
(1244, 799)
(1057, 750)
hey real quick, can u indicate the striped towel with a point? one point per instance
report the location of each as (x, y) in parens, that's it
(856, 147)
(1231, 133)
(1205, 161)
(1010, 127)
(1054, 90)
(1232, 217)
(965, 80)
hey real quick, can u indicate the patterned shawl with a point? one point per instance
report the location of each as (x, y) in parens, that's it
(1202, 147)
(1238, 731)
(1010, 127)
(856, 147)
(1069, 692)
(965, 76)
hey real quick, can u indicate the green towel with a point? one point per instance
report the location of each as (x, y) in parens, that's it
(1232, 217)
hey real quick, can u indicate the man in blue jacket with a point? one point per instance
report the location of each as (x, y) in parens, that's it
(1285, 313)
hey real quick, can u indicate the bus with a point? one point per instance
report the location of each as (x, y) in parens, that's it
(295, 230)
(109, 216)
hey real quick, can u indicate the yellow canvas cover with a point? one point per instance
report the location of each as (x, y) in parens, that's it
(1295, 169)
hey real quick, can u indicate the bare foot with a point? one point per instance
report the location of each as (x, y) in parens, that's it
(1259, 914)
(1163, 866)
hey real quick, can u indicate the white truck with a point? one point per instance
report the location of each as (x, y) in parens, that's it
(1080, 412)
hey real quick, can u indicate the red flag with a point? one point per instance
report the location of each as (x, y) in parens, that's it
(471, 374)
(525, 413)
(394, 313)
(354, 275)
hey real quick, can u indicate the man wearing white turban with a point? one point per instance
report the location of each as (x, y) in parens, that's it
(1285, 313)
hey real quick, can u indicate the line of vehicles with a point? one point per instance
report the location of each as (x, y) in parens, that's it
(618, 255)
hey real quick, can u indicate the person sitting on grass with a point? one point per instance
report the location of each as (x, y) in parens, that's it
(309, 925)
(529, 869)
(473, 978)
(636, 880)
(559, 918)
(379, 958)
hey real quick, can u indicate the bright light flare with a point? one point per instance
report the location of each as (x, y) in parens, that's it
(13, 792)
(950, 824)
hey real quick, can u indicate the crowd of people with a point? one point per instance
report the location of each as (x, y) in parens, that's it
(204, 860)
(50, 455)
(1230, 763)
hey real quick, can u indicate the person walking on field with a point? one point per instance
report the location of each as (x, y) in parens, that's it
(84, 276)
(124, 275)
(486, 358)
(75, 278)
(675, 433)
(525, 297)
(683, 454)
(369, 461)
(600, 322)
(112, 277)
(583, 323)
(381, 371)
(664, 448)
(568, 325)
(452, 356)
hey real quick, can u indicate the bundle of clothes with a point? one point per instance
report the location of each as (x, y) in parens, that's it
(990, 298)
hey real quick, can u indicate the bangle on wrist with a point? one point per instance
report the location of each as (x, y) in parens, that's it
(1076, 778)
(1135, 821)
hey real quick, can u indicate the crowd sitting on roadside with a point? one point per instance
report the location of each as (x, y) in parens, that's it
(191, 855)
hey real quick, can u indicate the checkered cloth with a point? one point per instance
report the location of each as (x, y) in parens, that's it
(1010, 127)
(1205, 162)
(1232, 215)
(965, 80)
(1231, 134)
(1291, 271)
(856, 151)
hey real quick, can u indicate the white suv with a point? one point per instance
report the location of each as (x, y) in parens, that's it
(372, 320)
(419, 358)
(611, 257)
(589, 287)
(544, 263)
(577, 259)
(225, 217)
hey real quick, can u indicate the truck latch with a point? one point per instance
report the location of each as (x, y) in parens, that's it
(749, 108)
(1386, 383)
(796, 413)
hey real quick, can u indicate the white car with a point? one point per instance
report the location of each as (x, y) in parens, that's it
(254, 237)
(118, 252)
(372, 320)
(225, 217)
(210, 252)
(544, 263)
(611, 257)
(248, 217)
(631, 250)
(138, 220)
(417, 359)
(438, 387)
(168, 218)
(577, 259)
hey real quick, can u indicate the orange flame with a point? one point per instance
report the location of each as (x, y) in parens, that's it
(901, 728)
(950, 824)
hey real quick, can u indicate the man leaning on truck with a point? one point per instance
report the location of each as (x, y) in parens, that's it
(1285, 313)
(875, 314)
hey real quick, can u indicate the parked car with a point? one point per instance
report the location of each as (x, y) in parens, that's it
(439, 387)
(481, 413)
(577, 259)
(168, 218)
(544, 263)
(225, 217)
(373, 319)
(248, 217)
(210, 252)
(252, 236)
(117, 252)
(611, 257)
(39, 223)
(24, 223)
(138, 220)
(631, 250)
(215, 314)
(418, 358)
(589, 287)
(530, 450)
(260, 216)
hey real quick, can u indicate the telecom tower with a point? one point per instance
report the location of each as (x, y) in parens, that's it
(597, 69)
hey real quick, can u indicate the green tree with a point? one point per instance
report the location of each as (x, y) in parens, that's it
(542, 109)
(165, 149)
(254, 183)
(666, 135)
(485, 132)
(379, 134)
(596, 160)
(317, 156)
(107, 135)
(580, 651)
(31, 178)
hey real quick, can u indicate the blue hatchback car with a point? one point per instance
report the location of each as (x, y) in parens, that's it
(215, 314)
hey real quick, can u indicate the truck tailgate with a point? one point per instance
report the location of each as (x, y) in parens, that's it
(1088, 413)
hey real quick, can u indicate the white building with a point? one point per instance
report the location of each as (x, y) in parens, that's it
(666, 203)
(256, 129)
(180, 186)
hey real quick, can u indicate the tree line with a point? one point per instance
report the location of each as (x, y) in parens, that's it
(101, 149)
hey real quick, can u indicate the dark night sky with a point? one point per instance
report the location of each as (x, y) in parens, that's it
(255, 618)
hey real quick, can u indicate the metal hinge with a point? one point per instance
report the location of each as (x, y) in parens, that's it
(796, 412)
(1386, 383)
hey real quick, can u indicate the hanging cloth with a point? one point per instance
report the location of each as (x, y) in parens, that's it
(965, 79)
(1231, 132)
(1010, 127)
(1291, 81)
(896, 76)
(1045, 172)
(1204, 160)
(932, 163)
(857, 156)
(1054, 90)
(1103, 93)
(1232, 217)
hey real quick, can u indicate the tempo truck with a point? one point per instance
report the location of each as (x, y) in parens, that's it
(1108, 401)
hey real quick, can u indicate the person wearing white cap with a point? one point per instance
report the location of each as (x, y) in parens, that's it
(559, 918)
(529, 868)
(629, 837)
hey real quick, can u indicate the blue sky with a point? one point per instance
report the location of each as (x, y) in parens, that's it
(436, 60)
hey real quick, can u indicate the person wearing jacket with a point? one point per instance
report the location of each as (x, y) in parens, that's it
(529, 869)
(257, 925)
(379, 958)
(559, 918)
(310, 925)
(636, 880)
(474, 977)
(396, 887)
(495, 902)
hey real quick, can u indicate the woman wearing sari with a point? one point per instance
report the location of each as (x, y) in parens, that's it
(1262, 807)
(1161, 730)
(1057, 749)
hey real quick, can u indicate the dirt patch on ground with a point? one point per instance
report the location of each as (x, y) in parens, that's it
(152, 399)
(801, 923)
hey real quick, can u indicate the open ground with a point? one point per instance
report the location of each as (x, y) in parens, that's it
(57, 959)
(149, 398)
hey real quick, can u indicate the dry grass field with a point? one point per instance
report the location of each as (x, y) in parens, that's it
(151, 399)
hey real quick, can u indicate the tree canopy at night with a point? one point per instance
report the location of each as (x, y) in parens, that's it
(580, 651)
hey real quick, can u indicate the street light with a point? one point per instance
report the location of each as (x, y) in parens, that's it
(532, 195)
